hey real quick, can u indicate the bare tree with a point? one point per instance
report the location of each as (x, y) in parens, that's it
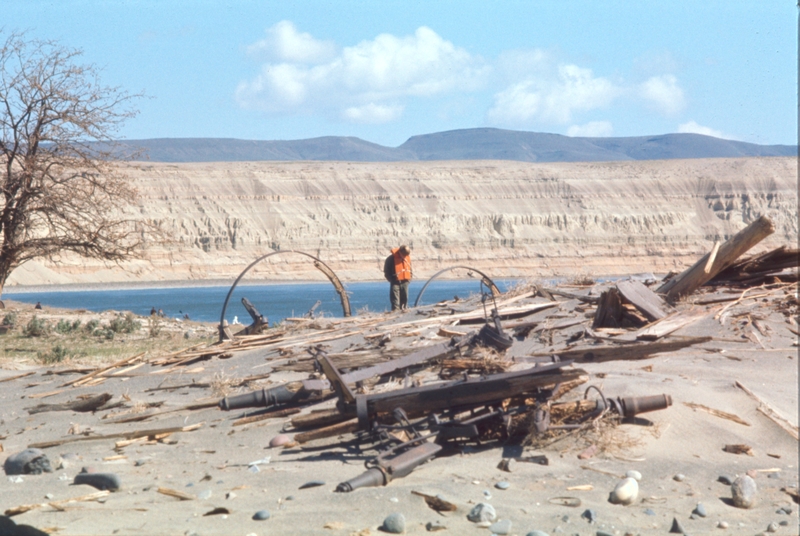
(61, 186)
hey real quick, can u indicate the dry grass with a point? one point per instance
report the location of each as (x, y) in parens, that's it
(92, 341)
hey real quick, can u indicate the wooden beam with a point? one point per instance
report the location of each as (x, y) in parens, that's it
(692, 278)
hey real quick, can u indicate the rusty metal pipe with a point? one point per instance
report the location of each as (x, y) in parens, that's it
(634, 405)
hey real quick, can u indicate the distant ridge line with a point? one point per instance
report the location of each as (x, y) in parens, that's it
(465, 144)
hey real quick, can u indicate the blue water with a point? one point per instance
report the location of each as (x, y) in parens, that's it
(275, 301)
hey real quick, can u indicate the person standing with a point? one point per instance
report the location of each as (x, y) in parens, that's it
(397, 271)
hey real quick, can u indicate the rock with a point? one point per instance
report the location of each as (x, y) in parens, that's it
(280, 440)
(205, 494)
(27, 462)
(312, 484)
(649, 512)
(589, 515)
(394, 523)
(784, 523)
(502, 485)
(482, 512)
(636, 475)
(784, 510)
(101, 481)
(680, 477)
(743, 491)
(230, 495)
(501, 527)
(603, 533)
(700, 510)
(261, 515)
(625, 492)
(434, 526)
(677, 528)
(487, 494)
(722, 525)
(772, 527)
(537, 533)
(725, 479)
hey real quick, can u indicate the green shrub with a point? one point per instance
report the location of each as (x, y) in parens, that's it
(91, 326)
(37, 327)
(10, 320)
(55, 355)
(128, 324)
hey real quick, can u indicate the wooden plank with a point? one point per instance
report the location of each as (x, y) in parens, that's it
(628, 352)
(645, 300)
(771, 413)
(669, 324)
(695, 276)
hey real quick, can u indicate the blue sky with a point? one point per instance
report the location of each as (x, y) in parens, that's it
(387, 70)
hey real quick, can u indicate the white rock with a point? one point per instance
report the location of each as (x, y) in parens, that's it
(636, 475)
(625, 492)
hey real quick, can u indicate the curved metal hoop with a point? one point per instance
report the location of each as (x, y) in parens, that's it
(484, 279)
(321, 266)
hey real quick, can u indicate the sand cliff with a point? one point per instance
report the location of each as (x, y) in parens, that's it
(504, 218)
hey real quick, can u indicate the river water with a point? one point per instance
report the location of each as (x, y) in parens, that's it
(275, 301)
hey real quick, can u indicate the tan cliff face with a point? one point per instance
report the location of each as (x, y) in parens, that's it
(503, 218)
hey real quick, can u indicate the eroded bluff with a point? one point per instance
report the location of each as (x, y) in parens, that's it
(505, 218)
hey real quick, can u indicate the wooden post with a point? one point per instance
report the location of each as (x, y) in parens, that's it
(691, 279)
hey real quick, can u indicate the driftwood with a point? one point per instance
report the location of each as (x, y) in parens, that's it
(691, 279)
(718, 413)
(629, 352)
(123, 435)
(91, 375)
(18, 376)
(268, 415)
(177, 494)
(81, 406)
(346, 427)
(58, 505)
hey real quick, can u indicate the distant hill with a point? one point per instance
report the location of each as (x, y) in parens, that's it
(467, 144)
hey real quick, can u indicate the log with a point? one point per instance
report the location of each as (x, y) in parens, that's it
(268, 415)
(84, 379)
(694, 277)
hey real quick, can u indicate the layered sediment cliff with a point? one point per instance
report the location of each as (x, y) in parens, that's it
(504, 218)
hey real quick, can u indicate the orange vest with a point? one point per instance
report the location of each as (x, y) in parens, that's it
(402, 265)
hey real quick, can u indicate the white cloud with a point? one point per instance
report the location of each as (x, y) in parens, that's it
(373, 113)
(664, 93)
(692, 127)
(552, 99)
(365, 82)
(285, 43)
(592, 129)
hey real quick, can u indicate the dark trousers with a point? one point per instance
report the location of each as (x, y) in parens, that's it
(398, 295)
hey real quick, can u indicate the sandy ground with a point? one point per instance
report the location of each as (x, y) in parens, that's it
(213, 461)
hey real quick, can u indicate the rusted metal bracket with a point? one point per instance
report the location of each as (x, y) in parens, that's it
(224, 333)
(485, 280)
